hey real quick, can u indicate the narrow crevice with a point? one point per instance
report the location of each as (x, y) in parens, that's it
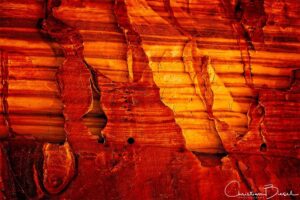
(96, 97)
(245, 47)
(94, 80)
(235, 14)
(199, 66)
(136, 56)
(256, 128)
(262, 129)
(141, 72)
(5, 91)
(188, 6)
(172, 19)
(244, 179)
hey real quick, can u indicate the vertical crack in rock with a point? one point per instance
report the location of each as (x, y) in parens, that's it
(244, 178)
(261, 110)
(254, 138)
(254, 177)
(242, 38)
(188, 6)
(141, 71)
(136, 56)
(5, 84)
(197, 67)
(173, 20)
(253, 18)
(245, 54)
(94, 81)
(247, 20)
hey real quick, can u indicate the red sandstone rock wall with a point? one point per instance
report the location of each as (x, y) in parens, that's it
(140, 99)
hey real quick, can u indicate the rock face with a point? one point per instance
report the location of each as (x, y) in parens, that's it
(140, 99)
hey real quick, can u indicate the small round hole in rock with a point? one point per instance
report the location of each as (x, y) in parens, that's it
(263, 147)
(101, 140)
(130, 140)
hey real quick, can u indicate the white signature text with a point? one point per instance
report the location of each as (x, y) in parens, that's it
(270, 191)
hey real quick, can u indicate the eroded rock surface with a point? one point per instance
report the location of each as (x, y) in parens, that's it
(140, 99)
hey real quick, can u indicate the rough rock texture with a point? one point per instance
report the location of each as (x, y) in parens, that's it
(150, 99)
